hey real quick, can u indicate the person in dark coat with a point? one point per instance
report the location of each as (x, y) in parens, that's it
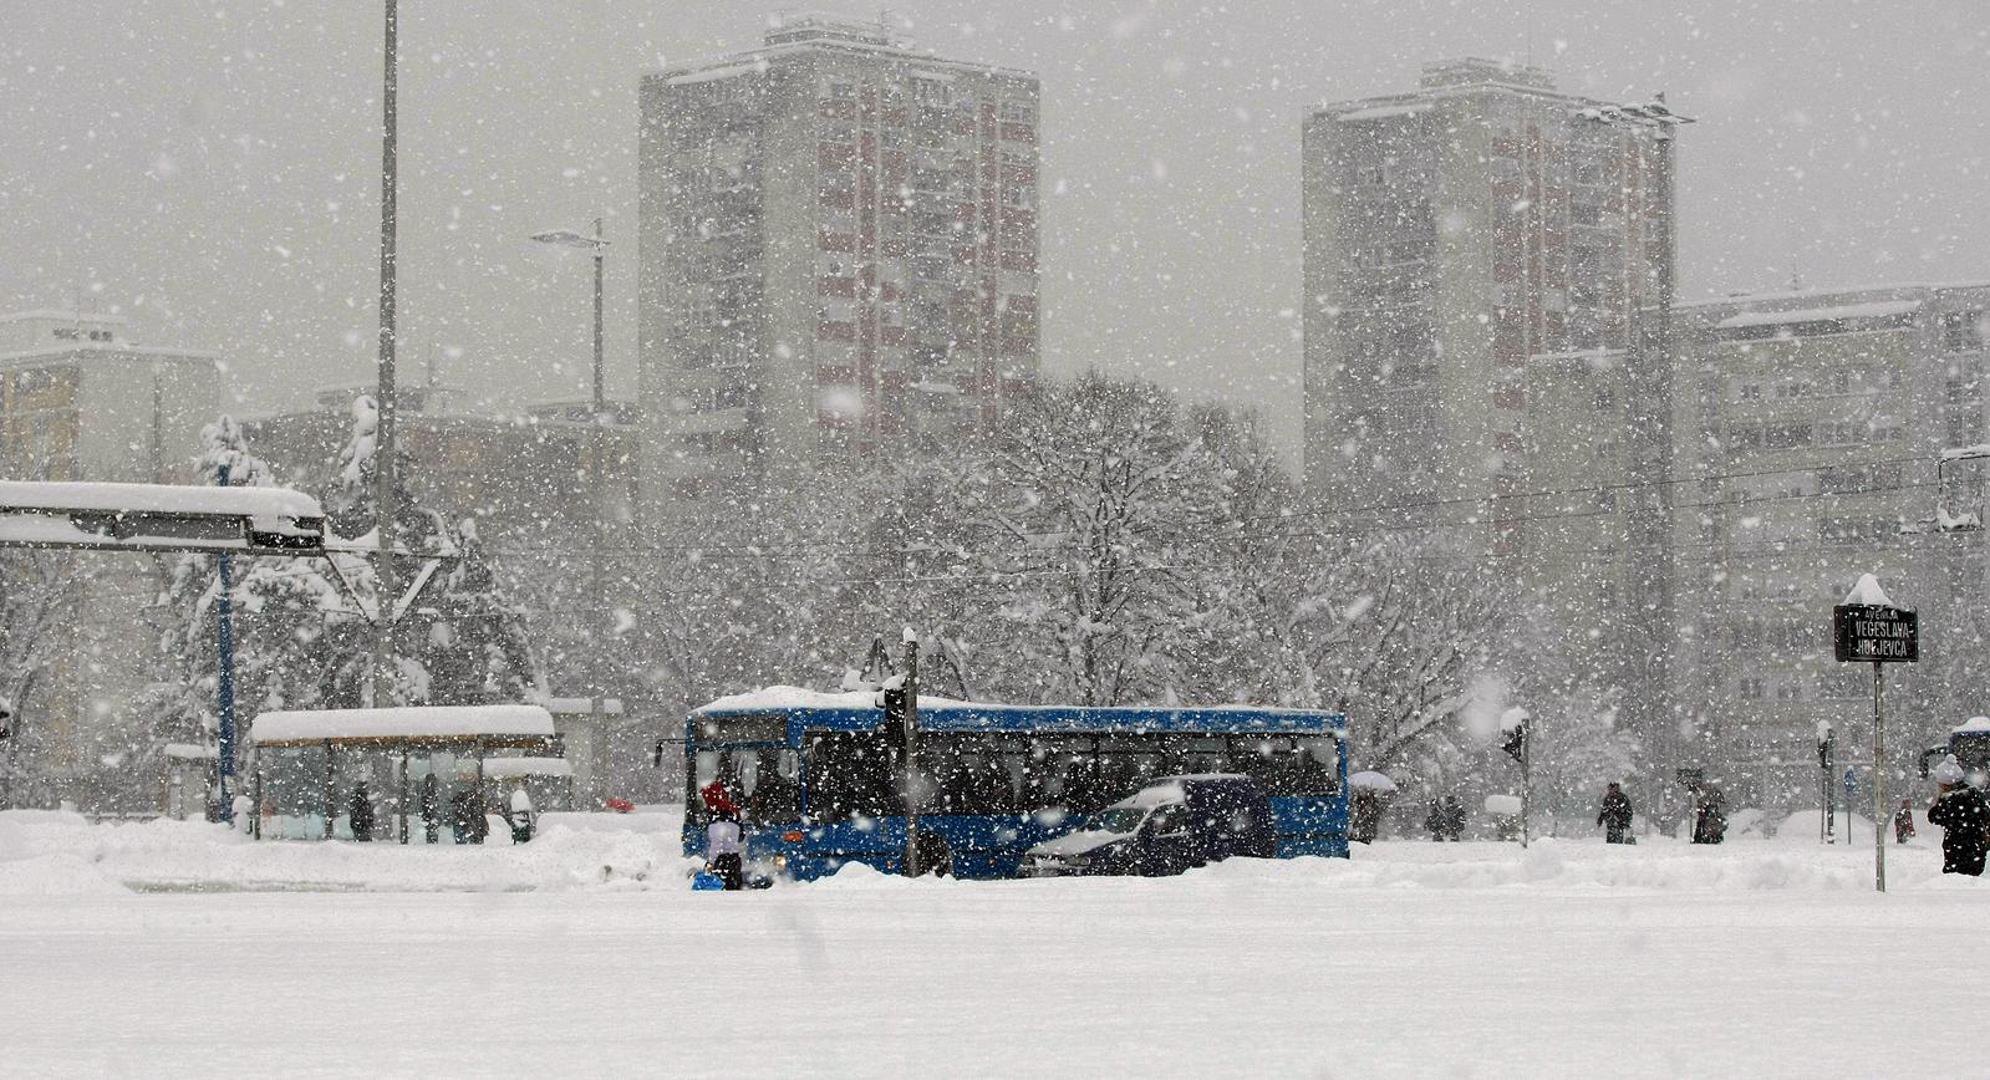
(1963, 813)
(1903, 823)
(1709, 815)
(429, 799)
(360, 813)
(466, 817)
(1433, 822)
(1364, 816)
(1454, 819)
(1615, 815)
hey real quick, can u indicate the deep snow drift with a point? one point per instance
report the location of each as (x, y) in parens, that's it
(584, 954)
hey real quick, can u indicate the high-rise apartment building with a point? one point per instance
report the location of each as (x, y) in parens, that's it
(1451, 234)
(1812, 427)
(1477, 252)
(839, 253)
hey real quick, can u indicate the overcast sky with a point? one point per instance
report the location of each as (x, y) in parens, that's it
(212, 169)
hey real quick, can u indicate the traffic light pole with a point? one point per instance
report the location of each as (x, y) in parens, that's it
(912, 867)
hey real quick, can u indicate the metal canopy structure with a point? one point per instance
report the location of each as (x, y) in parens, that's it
(185, 518)
(160, 518)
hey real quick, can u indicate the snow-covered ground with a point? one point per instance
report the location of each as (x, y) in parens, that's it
(584, 954)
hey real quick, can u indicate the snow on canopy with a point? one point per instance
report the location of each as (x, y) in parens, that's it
(510, 768)
(1879, 310)
(157, 499)
(1868, 593)
(432, 721)
(1503, 805)
(1974, 723)
(1371, 781)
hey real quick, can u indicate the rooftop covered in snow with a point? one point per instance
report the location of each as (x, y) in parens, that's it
(490, 726)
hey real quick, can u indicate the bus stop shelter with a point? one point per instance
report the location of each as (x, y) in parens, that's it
(405, 771)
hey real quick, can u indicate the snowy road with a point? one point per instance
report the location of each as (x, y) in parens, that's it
(1574, 960)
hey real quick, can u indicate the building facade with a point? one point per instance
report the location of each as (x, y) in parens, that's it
(79, 402)
(1812, 427)
(838, 254)
(1480, 255)
(1451, 234)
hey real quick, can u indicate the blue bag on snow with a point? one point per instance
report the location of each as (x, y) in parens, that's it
(706, 881)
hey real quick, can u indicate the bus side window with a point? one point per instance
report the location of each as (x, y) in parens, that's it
(850, 775)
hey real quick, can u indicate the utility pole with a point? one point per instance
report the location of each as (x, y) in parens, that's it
(385, 511)
(224, 676)
(912, 868)
(596, 570)
(600, 625)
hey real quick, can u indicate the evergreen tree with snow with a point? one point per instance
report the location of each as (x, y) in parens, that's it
(281, 607)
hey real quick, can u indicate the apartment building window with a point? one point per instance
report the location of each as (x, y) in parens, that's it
(1785, 436)
(931, 92)
(1751, 688)
(1605, 398)
(1018, 111)
(1964, 331)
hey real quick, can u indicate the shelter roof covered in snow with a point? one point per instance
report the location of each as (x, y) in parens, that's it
(501, 725)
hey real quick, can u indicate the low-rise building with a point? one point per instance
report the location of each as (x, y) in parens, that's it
(80, 402)
(1810, 430)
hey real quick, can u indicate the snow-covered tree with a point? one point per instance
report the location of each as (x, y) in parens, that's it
(282, 610)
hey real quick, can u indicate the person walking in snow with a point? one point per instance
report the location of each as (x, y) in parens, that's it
(1615, 815)
(466, 817)
(1962, 812)
(1433, 822)
(1454, 819)
(359, 813)
(429, 799)
(722, 836)
(1903, 823)
(1709, 815)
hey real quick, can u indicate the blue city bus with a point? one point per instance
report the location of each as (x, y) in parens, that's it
(818, 776)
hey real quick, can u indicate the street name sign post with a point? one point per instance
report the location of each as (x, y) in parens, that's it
(1868, 627)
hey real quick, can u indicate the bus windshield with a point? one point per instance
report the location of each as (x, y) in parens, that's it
(765, 780)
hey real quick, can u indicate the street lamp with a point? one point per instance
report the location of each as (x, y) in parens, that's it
(596, 247)
(1652, 383)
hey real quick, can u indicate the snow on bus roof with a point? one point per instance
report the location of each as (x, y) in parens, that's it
(411, 722)
(157, 498)
(948, 714)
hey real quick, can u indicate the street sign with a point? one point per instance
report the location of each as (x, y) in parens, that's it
(1879, 635)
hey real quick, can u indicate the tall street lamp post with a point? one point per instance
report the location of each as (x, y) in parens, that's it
(597, 247)
(1651, 382)
(385, 511)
